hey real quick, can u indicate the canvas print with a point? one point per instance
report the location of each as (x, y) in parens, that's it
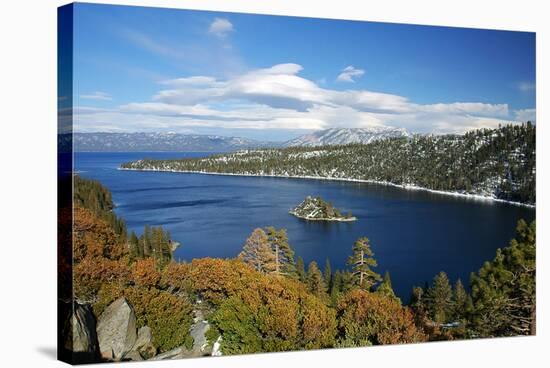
(243, 183)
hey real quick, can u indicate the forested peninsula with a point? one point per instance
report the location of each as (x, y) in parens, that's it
(265, 299)
(489, 163)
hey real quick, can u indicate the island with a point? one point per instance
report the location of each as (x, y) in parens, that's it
(316, 209)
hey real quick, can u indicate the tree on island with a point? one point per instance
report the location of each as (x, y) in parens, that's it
(361, 262)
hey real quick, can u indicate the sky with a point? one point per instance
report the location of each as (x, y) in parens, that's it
(139, 69)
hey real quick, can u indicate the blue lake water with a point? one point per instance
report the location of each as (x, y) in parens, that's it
(414, 234)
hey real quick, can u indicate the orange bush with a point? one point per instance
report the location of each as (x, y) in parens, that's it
(176, 277)
(366, 318)
(93, 237)
(145, 273)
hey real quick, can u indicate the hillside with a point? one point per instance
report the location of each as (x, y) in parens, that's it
(495, 163)
(339, 136)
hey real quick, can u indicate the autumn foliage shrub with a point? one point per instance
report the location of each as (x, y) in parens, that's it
(145, 273)
(176, 278)
(169, 317)
(367, 318)
(257, 312)
(99, 256)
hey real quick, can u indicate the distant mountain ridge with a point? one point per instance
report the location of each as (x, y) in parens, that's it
(161, 142)
(341, 136)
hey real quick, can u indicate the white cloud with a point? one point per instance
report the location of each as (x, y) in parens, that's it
(349, 73)
(277, 97)
(97, 95)
(220, 27)
(525, 115)
(527, 86)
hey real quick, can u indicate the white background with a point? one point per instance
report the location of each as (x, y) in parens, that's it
(28, 181)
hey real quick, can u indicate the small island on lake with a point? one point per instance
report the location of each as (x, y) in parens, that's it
(316, 209)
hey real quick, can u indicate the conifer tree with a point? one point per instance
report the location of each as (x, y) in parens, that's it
(327, 274)
(503, 291)
(361, 262)
(300, 269)
(257, 252)
(135, 248)
(316, 284)
(336, 287)
(462, 302)
(282, 252)
(146, 241)
(386, 288)
(440, 296)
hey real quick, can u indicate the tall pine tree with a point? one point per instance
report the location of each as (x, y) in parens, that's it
(257, 252)
(440, 296)
(361, 262)
(316, 284)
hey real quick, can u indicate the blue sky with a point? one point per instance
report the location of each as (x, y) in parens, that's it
(267, 77)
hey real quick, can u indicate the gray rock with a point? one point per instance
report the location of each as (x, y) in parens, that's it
(116, 330)
(177, 353)
(198, 333)
(144, 343)
(82, 337)
(216, 349)
(133, 356)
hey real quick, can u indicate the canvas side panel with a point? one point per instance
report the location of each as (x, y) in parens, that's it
(64, 182)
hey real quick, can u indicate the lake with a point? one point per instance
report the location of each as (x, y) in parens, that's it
(414, 234)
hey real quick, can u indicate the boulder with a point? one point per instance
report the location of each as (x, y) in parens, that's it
(144, 343)
(133, 356)
(216, 348)
(81, 337)
(177, 353)
(116, 330)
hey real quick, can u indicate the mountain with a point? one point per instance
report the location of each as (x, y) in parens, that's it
(159, 142)
(339, 136)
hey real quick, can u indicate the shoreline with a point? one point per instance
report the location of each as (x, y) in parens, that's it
(477, 197)
(343, 219)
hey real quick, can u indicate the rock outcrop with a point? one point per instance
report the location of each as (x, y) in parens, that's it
(144, 343)
(116, 330)
(81, 337)
(316, 209)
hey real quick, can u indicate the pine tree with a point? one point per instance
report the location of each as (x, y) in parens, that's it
(315, 282)
(418, 305)
(336, 287)
(503, 291)
(462, 302)
(386, 288)
(300, 269)
(146, 241)
(361, 262)
(440, 296)
(257, 252)
(328, 274)
(282, 252)
(135, 249)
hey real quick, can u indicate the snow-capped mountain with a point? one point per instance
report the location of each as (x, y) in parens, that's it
(167, 142)
(334, 136)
